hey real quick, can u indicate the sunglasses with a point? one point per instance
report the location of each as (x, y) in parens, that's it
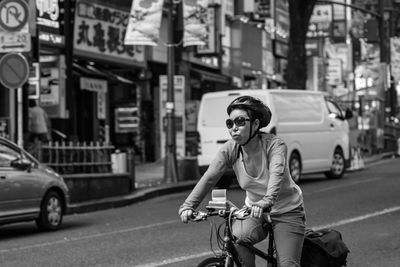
(238, 121)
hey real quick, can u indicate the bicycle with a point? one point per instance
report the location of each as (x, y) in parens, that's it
(228, 255)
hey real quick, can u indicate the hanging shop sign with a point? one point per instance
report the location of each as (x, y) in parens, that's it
(320, 21)
(282, 20)
(49, 19)
(126, 119)
(95, 85)
(99, 32)
(334, 71)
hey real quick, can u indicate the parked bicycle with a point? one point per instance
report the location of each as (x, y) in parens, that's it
(228, 256)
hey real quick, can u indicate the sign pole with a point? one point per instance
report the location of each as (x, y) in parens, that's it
(170, 164)
(20, 139)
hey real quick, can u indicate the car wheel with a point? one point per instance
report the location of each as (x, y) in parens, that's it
(295, 167)
(51, 212)
(338, 165)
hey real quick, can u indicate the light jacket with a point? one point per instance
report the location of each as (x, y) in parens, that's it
(273, 187)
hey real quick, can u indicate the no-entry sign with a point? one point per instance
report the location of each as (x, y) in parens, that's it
(14, 70)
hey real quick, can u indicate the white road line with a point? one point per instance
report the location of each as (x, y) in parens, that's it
(345, 185)
(335, 224)
(360, 218)
(72, 239)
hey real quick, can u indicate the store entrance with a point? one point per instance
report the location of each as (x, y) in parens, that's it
(87, 116)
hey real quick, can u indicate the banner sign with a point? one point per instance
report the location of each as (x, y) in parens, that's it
(195, 22)
(395, 57)
(210, 46)
(144, 22)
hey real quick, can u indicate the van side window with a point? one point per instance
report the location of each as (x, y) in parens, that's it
(334, 109)
(295, 107)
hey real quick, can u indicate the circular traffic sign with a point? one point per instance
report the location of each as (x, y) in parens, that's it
(14, 70)
(14, 14)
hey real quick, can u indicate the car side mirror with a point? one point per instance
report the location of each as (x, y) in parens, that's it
(21, 164)
(348, 114)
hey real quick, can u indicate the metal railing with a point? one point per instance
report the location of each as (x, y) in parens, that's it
(76, 157)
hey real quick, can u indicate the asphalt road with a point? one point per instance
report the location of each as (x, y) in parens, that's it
(364, 206)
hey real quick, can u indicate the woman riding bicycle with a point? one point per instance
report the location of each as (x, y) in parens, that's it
(259, 162)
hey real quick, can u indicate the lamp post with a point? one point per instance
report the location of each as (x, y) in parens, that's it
(170, 163)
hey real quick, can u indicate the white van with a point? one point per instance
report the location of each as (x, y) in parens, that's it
(314, 128)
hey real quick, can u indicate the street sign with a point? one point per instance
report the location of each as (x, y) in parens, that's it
(15, 42)
(14, 70)
(14, 15)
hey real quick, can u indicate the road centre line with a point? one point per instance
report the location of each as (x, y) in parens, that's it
(345, 185)
(359, 218)
(332, 225)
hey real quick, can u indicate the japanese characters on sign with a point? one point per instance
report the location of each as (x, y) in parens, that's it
(144, 22)
(100, 31)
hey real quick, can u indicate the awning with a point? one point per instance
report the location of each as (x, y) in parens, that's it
(83, 70)
(117, 77)
(209, 76)
(92, 71)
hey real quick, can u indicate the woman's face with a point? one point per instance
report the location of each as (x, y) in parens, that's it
(241, 133)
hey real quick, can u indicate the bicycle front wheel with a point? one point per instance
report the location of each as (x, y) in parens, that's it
(212, 262)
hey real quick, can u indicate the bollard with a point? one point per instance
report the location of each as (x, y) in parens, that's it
(131, 168)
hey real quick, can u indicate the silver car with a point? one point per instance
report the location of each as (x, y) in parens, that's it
(30, 190)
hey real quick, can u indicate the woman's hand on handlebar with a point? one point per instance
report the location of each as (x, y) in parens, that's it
(256, 211)
(259, 208)
(186, 215)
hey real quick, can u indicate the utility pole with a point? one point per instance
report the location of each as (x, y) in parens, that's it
(170, 163)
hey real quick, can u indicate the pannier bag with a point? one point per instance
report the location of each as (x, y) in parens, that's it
(324, 248)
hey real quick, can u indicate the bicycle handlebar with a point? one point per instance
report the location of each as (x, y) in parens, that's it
(235, 213)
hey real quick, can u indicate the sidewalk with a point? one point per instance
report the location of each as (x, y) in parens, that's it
(149, 183)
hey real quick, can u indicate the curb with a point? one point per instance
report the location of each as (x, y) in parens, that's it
(134, 197)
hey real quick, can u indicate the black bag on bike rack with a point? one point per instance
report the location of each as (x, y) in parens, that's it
(324, 248)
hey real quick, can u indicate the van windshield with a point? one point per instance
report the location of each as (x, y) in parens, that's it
(214, 111)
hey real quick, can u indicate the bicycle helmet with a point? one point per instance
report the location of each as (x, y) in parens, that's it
(255, 108)
(258, 110)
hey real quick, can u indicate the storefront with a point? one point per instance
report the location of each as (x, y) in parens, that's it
(107, 77)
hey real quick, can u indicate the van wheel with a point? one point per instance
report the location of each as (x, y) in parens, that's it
(338, 165)
(295, 167)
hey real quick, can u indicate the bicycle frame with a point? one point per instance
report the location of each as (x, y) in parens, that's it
(230, 253)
